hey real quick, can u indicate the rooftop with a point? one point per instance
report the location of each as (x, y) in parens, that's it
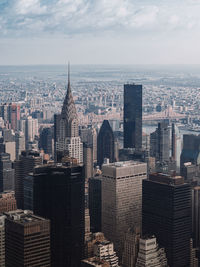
(166, 179)
(23, 216)
(94, 261)
(7, 194)
(119, 164)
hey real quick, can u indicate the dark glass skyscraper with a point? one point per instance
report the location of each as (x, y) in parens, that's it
(95, 203)
(132, 116)
(6, 173)
(105, 143)
(58, 195)
(26, 163)
(46, 138)
(166, 213)
(160, 142)
(191, 150)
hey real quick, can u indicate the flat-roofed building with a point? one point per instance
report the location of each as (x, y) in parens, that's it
(121, 199)
(2, 240)
(7, 201)
(166, 213)
(150, 254)
(27, 240)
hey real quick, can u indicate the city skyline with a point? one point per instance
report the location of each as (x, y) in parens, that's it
(97, 32)
(100, 166)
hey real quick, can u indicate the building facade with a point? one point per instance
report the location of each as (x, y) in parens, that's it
(133, 116)
(105, 251)
(160, 142)
(66, 133)
(88, 160)
(6, 173)
(94, 262)
(23, 166)
(196, 216)
(190, 151)
(2, 240)
(105, 143)
(46, 140)
(121, 199)
(58, 194)
(166, 213)
(27, 240)
(131, 247)
(7, 201)
(89, 137)
(150, 254)
(95, 203)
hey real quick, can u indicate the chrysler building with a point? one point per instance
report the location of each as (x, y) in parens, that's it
(66, 133)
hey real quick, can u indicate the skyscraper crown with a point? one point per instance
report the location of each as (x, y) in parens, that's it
(69, 114)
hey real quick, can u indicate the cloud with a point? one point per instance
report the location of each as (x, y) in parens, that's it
(39, 18)
(26, 7)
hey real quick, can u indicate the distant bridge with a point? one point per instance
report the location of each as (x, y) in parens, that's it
(169, 113)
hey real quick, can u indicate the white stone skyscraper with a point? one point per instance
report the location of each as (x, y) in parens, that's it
(67, 139)
(150, 254)
(121, 199)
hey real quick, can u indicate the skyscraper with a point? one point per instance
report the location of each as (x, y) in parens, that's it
(89, 137)
(150, 254)
(88, 160)
(160, 142)
(95, 203)
(7, 201)
(11, 115)
(31, 129)
(2, 240)
(6, 173)
(131, 247)
(133, 116)
(105, 143)
(166, 213)
(46, 138)
(105, 251)
(176, 144)
(14, 114)
(26, 163)
(27, 240)
(66, 132)
(190, 151)
(121, 199)
(58, 194)
(20, 143)
(196, 216)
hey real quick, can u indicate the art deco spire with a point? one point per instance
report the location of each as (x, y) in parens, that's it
(68, 85)
(69, 111)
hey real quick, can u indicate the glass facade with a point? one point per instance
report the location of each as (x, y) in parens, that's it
(132, 116)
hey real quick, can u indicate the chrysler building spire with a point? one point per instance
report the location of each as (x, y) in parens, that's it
(68, 85)
(67, 140)
(69, 114)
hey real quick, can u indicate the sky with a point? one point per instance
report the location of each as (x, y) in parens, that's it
(99, 32)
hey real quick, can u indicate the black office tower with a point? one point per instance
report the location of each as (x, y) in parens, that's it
(133, 116)
(27, 161)
(105, 143)
(46, 140)
(166, 213)
(160, 142)
(190, 151)
(6, 173)
(95, 204)
(58, 195)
